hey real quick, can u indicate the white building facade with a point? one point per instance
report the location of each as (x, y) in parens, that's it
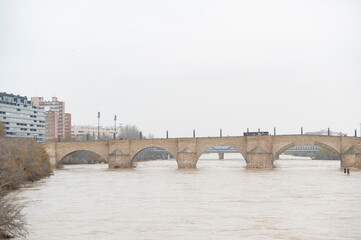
(90, 133)
(21, 118)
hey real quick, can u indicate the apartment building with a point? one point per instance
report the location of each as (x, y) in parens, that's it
(67, 126)
(57, 121)
(21, 117)
(51, 126)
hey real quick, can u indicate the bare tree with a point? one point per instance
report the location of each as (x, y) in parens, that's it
(150, 136)
(12, 221)
(130, 132)
(21, 160)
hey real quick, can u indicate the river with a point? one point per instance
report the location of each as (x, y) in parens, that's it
(221, 199)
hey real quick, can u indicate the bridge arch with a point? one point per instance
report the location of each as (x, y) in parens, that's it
(300, 143)
(205, 147)
(61, 160)
(136, 152)
(62, 149)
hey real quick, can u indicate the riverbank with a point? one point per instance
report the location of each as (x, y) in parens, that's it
(21, 161)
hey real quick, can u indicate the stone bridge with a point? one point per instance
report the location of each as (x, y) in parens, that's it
(258, 151)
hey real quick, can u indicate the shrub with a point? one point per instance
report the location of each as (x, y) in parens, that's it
(12, 222)
(21, 160)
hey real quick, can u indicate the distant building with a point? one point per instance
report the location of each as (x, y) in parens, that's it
(67, 126)
(57, 119)
(51, 126)
(90, 133)
(22, 118)
(325, 133)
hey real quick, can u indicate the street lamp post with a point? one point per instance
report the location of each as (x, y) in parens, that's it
(98, 126)
(115, 127)
(120, 131)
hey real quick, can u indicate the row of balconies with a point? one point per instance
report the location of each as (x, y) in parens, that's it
(21, 117)
(21, 109)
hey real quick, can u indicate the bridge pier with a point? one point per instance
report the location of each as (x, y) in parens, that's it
(119, 160)
(187, 160)
(259, 160)
(352, 160)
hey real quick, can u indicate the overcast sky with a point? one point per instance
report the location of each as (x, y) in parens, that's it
(184, 65)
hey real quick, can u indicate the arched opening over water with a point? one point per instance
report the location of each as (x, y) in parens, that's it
(81, 157)
(154, 156)
(311, 153)
(221, 155)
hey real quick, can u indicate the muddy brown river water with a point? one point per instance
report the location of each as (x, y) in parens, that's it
(221, 199)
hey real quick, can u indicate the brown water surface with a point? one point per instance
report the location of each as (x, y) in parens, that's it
(299, 199)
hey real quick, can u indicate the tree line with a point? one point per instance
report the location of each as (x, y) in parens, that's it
(21, 161)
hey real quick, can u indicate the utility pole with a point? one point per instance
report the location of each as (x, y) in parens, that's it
(98, 126)
(115, 127)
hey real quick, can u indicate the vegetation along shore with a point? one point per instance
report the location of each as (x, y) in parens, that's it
(21, 161)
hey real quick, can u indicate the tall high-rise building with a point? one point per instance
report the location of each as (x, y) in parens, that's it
(67, 125)
(22, 118)
(55, 111)
(51, 126)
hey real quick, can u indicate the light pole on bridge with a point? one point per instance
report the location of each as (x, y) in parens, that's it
(115, 127)
(98, 126)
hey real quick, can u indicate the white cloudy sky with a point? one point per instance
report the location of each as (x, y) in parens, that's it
(190, 64)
